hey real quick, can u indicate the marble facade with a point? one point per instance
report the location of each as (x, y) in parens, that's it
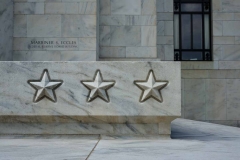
(65, 83)
(73, 22)
(130, 30)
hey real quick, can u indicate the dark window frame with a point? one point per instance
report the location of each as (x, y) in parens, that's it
(206, 53)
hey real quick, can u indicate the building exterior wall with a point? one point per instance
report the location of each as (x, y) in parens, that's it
(128, 29)
(136, 29)
(211, 90)
(56, 21)
(6, 29)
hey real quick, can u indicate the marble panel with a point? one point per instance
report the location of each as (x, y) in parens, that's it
(112, 20)
(61, 8)
(109, 52)
(23, 44)
(233, 97)
(20, 26)
(231, 52)
(54, 55)
(79, 26)
(141, 52)
(160, 52)
(168, 28)
(237, 16)
(71, 8)
(217, 28)
(149, 7)
(165, 16)
(182, 99)
(223, 16)
(29, 8)
(217, 5)
(87, 44)
(149, 20)
(160, 28)
(217, 52)
(160, 5)
(168, 6)
(126, 7)
(148, 35)
(194, 74)
(71, 96)
(6, 30)
(105, 35)
(44, 26)
(229, 65)
(223, 40)
(125, 36)
(216, 99)
(164, 39)
(237, 40)
(231, 28)
(168, 52)
(199, 65)
(195, 99)
(89, 8)
(230, 5)
(105, 7)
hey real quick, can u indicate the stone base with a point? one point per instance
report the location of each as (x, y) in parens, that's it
(69, 110)
(36, 125)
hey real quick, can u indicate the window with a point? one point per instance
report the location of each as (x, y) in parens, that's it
(192, 30)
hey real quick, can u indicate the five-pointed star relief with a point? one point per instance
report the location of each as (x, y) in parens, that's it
(45, 87)
(151, 87)
(98, 87)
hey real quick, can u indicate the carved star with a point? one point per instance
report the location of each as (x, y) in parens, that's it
(151, 88)
(45, 87)
(98, 87)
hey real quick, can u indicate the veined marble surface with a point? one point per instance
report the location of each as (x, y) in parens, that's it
(191, 140)
(16, 95)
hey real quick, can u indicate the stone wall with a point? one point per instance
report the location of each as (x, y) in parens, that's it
(210, 90)
(165, 47)
(6, 29)
(128, 29)
(68, 26)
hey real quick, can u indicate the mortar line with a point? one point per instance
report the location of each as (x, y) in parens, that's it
(93, 148)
